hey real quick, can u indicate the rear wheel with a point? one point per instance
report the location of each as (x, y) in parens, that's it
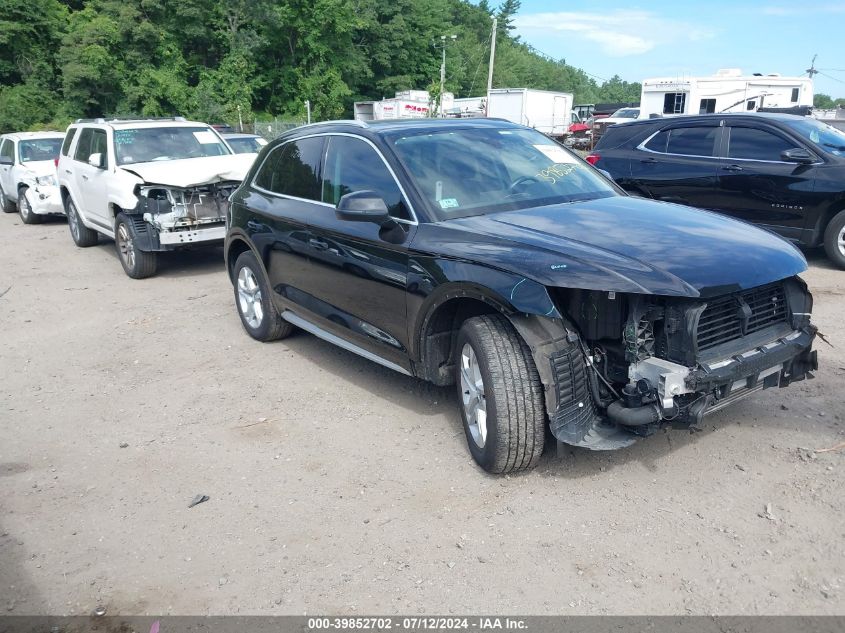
(25, 208)
(5, 204)
(500, 395)
(136, 263)
(256, 309)
(81, 234)
(834, 240)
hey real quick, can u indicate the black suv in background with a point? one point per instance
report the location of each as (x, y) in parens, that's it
(783, 172)
(482, 254)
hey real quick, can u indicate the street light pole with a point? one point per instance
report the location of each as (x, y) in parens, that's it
(443, 69)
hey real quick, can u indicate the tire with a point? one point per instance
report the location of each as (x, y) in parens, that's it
(254, 303)
(510, 396)
(834, 240)
(5, 204)
(82, 236)
(136, 263)
(25, 208)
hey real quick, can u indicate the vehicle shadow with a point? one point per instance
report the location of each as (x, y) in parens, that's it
(174, 264)
(439, 405)
(818, 258)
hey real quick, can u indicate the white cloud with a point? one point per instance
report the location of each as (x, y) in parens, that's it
(617, 32)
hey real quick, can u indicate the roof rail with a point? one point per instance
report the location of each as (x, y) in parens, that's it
(338, 122)
(120, 120)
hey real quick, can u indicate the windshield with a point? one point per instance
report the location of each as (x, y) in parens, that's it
(461, 172)
(39, 149)
(827, 137)
(626, 113)
(246, 144)
(145, 145)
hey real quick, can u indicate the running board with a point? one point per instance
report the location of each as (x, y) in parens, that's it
(316, 330)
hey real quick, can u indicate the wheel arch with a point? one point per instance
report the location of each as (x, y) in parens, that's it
(236, 245)
(832, 210)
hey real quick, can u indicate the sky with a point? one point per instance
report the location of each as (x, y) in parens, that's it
(690, 37)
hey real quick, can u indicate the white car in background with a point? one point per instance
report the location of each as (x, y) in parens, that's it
(152, 185)
(28, 174)
(622, 115)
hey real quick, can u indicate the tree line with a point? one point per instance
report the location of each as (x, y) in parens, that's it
(206, 59)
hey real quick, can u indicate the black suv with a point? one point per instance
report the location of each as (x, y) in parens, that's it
(480, 253)
(783, 172)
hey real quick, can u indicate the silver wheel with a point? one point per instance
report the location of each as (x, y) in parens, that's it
(249, 298)
(3, 201)
(126, 246)
(25, 208)
(73, 220)
(840, 241)
(473, 396)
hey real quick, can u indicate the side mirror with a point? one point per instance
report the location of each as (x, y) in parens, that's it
(362, 206)
(798, 155)
(96, 160)
(5, 160)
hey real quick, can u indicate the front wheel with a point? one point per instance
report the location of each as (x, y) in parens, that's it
(500, 395)
(81, 234)
(834, 240)
(258, 314)
(25, 209)
(136, 263)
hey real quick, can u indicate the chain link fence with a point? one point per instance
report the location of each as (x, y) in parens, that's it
(269, 129)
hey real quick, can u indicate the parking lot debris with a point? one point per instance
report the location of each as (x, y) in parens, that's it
(767, 513)
(198, 500)
(124, 445)
(100, 611)
(5, 291)
(830, 449)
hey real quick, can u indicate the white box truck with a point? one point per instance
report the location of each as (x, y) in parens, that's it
(546, 111)
(726, 91)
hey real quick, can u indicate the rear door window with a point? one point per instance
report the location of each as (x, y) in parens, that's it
(687, 141)
(293, 169)
(7, 149)
(753, 144)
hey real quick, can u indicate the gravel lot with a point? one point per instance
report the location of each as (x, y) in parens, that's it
(339, 487)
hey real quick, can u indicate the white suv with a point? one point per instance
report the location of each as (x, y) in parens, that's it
(153, 185)
(28, 174)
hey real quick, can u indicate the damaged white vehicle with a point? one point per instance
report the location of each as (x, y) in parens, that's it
(153, 185)
(28, 174)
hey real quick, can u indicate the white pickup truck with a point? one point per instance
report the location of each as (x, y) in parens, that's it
(28, 174)
(153, 185)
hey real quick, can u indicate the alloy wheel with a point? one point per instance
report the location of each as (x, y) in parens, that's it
(73, 220)
(126, 245)
(249, 298)
(840, 241)
(473, 396)
(24, 206)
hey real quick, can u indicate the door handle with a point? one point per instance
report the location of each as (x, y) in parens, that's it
(732, 168)
(68, 171)
(648, 160)
(252, 225)
(84, 177)
(318, 245)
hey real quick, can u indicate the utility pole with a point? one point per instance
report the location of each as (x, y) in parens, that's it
(492, 54)
(443, 43)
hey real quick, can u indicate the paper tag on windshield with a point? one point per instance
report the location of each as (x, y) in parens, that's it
(205, 137)
(449, 203)
(555, 153)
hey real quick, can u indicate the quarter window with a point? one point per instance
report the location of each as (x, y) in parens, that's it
(293, 169)
(353, 165)
(753, 144)
(794, 98)
(707, 106)
(68, 140)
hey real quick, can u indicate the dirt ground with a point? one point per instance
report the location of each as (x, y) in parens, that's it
(337, 486)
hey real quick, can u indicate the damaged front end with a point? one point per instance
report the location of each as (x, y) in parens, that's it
(184, 215)
(621, 365)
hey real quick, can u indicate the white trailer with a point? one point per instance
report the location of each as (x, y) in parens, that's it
(726, 91)
(546, 111)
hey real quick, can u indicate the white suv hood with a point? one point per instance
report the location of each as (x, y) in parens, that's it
(190, 172)
(41, 167)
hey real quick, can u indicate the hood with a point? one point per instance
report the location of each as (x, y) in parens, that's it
(624, 244)
(40, 167)
(190, 172)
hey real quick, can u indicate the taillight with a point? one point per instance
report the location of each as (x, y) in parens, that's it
(593, 158)
(56, 162)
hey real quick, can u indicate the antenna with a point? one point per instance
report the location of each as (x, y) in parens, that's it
(812, 69)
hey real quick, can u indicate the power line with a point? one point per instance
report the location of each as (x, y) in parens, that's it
(830, 77)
